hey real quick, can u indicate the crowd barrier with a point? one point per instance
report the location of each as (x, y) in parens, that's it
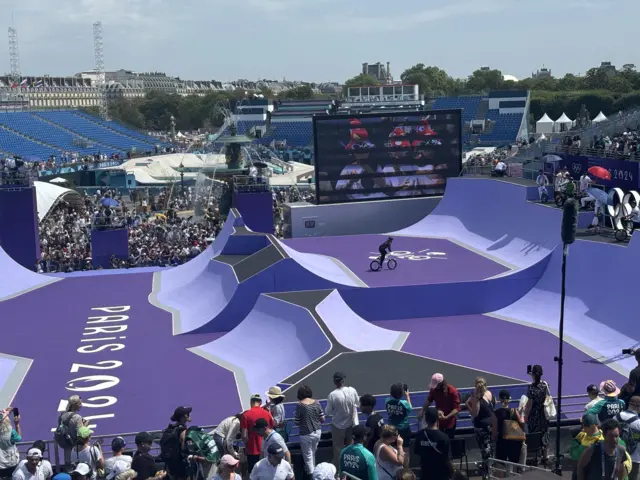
(572, 412)
(589, 152)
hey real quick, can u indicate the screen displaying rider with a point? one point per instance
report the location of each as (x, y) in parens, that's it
(384, 249)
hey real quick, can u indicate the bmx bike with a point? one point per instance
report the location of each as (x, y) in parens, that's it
(376, 265)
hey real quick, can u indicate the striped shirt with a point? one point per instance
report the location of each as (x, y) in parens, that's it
(308, 417)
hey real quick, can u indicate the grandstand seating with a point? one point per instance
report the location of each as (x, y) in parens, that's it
(36, 128)
(118, 127)
(94, 131)
(502, 128)
(296, 133)
(12, 143)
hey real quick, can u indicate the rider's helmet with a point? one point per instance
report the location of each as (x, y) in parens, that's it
(390, 239)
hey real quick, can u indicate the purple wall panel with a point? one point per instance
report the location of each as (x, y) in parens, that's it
(19, 236)
(256, 210)
(106, 243)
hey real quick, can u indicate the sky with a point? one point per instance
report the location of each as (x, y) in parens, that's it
(320, 40)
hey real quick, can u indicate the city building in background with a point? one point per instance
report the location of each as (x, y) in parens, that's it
(378, 71)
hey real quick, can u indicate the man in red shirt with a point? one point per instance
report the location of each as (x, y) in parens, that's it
(447, 401)
(252, 438)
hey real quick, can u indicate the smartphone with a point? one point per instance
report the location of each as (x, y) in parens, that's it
(529, 369)
(16, 412)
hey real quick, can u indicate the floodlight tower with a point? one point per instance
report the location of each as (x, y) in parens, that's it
(101, 82)
(14, 55)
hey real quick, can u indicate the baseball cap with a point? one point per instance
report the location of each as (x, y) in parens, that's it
(504, 395)
(256, 398)
(229, 461)
(609, 388)
(431, 415)
(61, 476)
(120, 466)
(436, 380)
(275, 450)
(589, 419)
(180, 412)
(84, 432)
(260, 424)
(82, 469)
(143, 437)
(34, 453)
(118, 444)
(593, 389)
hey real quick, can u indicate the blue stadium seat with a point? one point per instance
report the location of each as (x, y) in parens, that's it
(14, 144)
(36, 128)
(114, 125)
(94, 131)
(296, 133)
(468, 104)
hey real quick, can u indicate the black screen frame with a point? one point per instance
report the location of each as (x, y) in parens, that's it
(410, 113)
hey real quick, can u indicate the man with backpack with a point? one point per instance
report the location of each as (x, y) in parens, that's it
(630, 432)
(69, 421)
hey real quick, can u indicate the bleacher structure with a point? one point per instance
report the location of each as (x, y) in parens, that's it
(37, 135)
(496, 119)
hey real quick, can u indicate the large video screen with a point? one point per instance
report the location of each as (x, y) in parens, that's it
(382, 156)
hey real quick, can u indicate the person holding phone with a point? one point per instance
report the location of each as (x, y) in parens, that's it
(10, 436)
(398, 407)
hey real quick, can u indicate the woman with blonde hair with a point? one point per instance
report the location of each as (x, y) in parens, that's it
(9, 437)
(481, 406)
(389, 453)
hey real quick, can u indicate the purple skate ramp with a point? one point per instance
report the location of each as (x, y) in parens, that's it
(353, 331)
(601, 317)
(16, 280)
(105, 342)
(420, 260)
(285, 337)
(493, 218)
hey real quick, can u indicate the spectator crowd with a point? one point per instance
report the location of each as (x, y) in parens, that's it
(256, 443)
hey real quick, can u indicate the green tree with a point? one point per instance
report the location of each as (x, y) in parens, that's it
(483, 80)
(432, 81)
(596, 79)
(362, 80)
(304, 92)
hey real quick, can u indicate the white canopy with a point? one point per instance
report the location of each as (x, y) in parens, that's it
(47, 195)
(544, 125)
(563, 124)
(564, 119)
(58, 180)
(600, 118)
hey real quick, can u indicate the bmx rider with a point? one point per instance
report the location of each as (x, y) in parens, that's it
(384, 249)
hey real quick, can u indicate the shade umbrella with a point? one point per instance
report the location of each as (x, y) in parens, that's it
(599, 172)
(600, 195)
(109, 202)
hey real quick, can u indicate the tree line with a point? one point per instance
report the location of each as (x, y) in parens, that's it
(599, 89)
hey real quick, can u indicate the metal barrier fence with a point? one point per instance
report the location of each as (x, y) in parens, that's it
(509, 469)
(589, 152)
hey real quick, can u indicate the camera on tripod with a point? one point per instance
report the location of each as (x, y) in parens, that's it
(628, 351)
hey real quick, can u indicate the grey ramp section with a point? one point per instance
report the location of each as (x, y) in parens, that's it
(601, 317)
(375, 372)
(289, 332)
(494, 219)
(256, 263)
(13, 370)
(16, 280)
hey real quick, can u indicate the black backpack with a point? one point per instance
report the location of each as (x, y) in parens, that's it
(170, 447)
(63, 434)
(626, 434)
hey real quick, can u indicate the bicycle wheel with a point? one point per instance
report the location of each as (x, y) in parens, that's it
(621, 235)
(392, 264)
(375, 265)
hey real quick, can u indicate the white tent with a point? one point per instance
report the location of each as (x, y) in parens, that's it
(564, 123)
(544, 125)
(47, 195)
(58, 180)
(599, 118)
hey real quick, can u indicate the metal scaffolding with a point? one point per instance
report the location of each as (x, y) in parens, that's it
(101, 82)
(14, 55)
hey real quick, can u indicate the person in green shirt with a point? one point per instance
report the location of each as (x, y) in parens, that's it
(356, 460)
(570, 189)
(398, 407)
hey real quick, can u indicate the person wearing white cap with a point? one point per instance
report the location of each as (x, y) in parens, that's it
(121, 470)
(324, 471)
(81, 472)
(228, 467)
(34, 467)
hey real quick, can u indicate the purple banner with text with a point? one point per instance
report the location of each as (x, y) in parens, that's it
(624, 173)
